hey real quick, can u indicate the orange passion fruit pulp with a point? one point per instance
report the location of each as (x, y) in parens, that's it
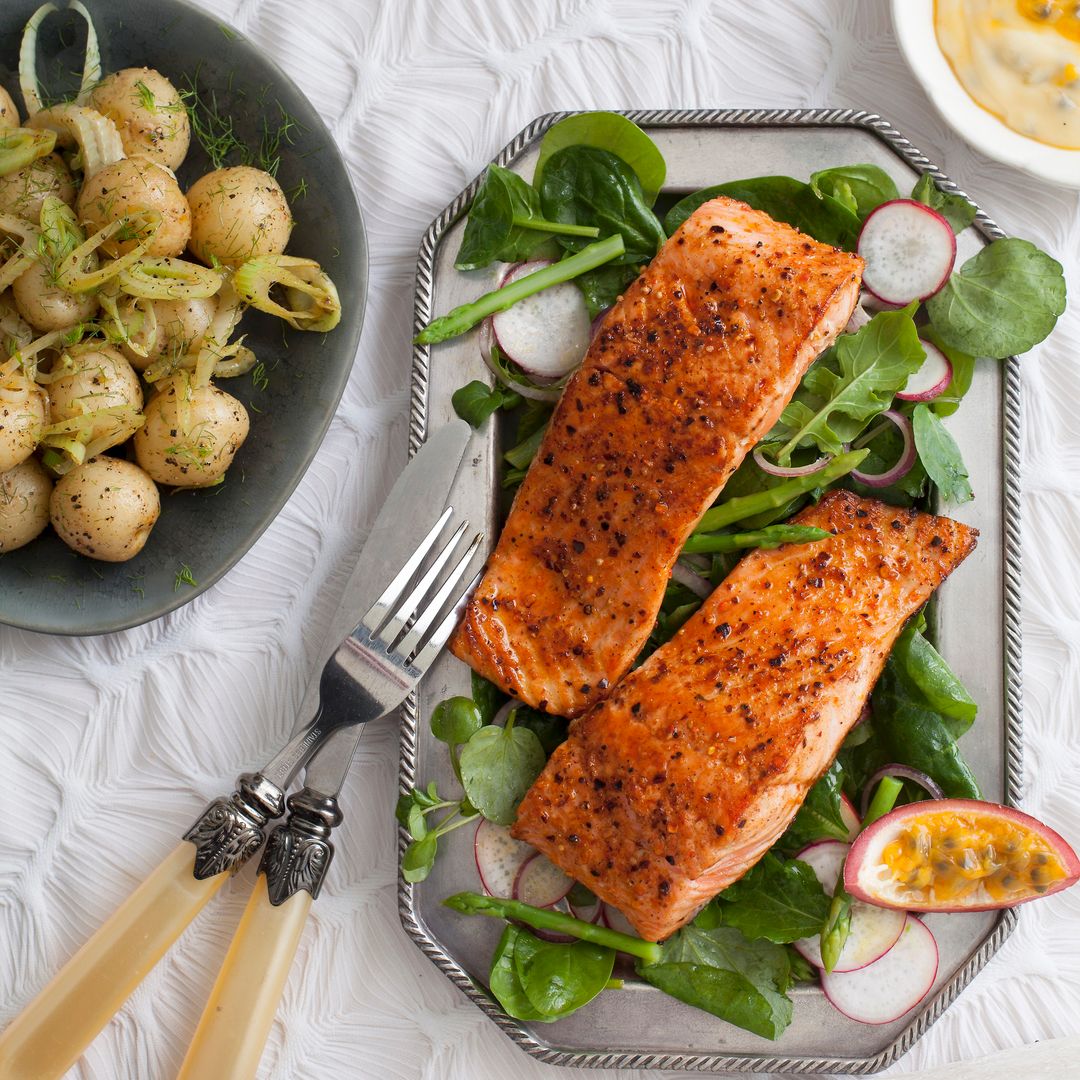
(958, 855)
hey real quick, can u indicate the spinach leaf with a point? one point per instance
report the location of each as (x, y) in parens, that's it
(850, 384)
(559, 979)
(718, 970)
(487, 696)
(784, 199)
(550, 730)
(498, 766)
(780, 900)
(819, 817)
(802, 971)
(921, 669)
(582, 185)
(1000, 302)
(955, 209)
(505, 223)
(614, 133)
(603, 286)
(963, 370)
(475, 401)
(503, 981)
(861, 188)
(940, 456)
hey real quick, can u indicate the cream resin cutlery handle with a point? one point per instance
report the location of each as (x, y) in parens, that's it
(46, 1039)
(232, 1030)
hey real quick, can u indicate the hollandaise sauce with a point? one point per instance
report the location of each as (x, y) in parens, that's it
(1020, 60)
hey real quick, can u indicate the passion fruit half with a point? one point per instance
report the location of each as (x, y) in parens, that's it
(958, 855)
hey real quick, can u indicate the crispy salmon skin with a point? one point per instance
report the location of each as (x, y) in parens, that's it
(677, 783)
(689, 370)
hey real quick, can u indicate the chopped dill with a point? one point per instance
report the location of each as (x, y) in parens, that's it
(212, 128)
(253, 407)
(227, 32)
(146, 96)
(259, 378)
(58, 578)
(184, 576)
(96, 572)
(269, 158)
(136, 585)
(298, 192)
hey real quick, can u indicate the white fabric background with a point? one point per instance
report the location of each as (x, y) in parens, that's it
(149, 724)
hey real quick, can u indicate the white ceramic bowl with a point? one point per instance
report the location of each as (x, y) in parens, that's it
(913, 21)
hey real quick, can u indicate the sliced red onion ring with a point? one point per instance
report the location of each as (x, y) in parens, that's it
(903, 464)
(790, 470)
(682, 573)
(500, 717)
(900, 772)
(596, 323)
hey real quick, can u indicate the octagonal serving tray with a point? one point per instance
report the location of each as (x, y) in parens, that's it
(976, 622)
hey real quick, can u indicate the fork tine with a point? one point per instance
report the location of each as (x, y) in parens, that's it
(442, 632)
(411, 641)
(408, 607)
(377, 613)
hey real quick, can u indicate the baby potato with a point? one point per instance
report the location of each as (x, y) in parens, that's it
(236, 214)
(44, 305)
(23, 191)
(105, 508)
(20, 426)
(217, 426)
(148, 113)
(15, 332)
(9, 117)
(124, 187)
(100, 379)
(24, 504)
(178, 328)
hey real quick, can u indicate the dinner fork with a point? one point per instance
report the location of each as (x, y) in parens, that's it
(366, 676)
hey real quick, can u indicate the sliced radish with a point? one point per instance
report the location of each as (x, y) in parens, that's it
(874, 931)
(850, 816)
(548, 333)
(588, 913)
(614, 919)
(540, 882)
(909, 251)
(498, 858)
(890, 987)
(931, 379)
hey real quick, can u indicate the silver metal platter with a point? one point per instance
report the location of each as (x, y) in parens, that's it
(976, 623)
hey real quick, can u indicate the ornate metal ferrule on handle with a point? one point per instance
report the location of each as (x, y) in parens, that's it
(299, 851)
(229, 831)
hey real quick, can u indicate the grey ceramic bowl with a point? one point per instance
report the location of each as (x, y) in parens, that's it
(45, 586)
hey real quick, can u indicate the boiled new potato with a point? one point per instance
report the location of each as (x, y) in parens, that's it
(44, 305)
(197, 453)
(24, 504)
(173, 328)
(15, 332)
(127, 186)
(147, 112)
(21, 422)
(9, 115)
(236, 214)
(105, 508)
(23, 191)
(100, 378)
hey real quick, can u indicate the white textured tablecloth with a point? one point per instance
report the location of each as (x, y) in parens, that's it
(147, 725)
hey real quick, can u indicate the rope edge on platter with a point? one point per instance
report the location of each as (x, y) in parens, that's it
(948, 993)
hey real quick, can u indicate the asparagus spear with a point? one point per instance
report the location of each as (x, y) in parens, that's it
(770, 537)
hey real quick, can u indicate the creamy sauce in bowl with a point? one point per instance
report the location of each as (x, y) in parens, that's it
(1018, 59)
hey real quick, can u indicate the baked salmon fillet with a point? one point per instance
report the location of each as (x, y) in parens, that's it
(677, 783)
(691, 367)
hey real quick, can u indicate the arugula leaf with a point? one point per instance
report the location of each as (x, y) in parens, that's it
(505, 223)
(861, 188)
(614, 133)
(603, 286)
(777, 899)
(475, 401)
(583, 185)
(819, 817)
(921, 669)
(718, 970)
(784, 199)
(940, 456)
(955, 209)
(498, 766)
(850, 384)
(559, 979)
(1002, 301)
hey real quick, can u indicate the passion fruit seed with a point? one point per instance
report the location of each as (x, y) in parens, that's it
(950, 856)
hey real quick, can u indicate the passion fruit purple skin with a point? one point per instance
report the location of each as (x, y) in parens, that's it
(873, 839)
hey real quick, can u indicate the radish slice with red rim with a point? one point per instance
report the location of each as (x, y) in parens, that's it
(891, 986)
(909, 251)
(850, 817)
(546, 334)
(540, 883)
(932, 379)
(499, 858)
(614, 919)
